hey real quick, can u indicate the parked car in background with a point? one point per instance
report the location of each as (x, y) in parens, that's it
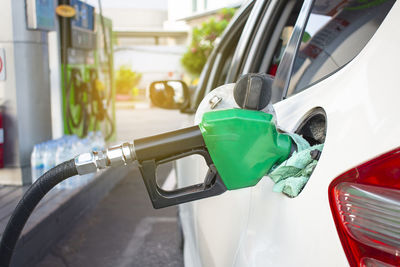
(336, 82)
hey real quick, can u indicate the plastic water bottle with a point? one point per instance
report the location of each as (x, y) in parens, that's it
(75, 146)
(33, 163)
(51, 153)
(92, 139)
(48, 156)
(40, 163)
(60, 151)
(71, 151)
(99, 142)
(87, 144)
(59, 157)
(37, 165)
(64, 153)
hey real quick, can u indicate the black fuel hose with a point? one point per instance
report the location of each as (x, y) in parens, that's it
(98, 106)
(28, 203)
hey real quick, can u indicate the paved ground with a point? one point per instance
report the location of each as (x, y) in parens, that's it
(124, 230)
(144, 121)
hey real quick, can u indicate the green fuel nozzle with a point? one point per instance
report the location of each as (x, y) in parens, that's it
(244, 145)
(239, 146)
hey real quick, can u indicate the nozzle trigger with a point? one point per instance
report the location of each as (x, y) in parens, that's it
(212, 185)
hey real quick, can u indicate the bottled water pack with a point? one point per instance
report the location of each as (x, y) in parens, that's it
(49, 154)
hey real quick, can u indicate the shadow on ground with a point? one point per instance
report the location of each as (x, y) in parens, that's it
(123, 230)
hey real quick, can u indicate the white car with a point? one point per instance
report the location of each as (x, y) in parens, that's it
(336, 68)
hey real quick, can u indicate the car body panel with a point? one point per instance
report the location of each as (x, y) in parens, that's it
(257, 227)
(362, 110)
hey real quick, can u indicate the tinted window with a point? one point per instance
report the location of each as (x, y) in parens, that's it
(227, 56)
(217, 67)
(335, 33)
(279, 50)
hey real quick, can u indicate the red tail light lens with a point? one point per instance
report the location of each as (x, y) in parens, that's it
(365, 204)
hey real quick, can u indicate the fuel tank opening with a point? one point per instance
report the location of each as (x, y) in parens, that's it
(291, 176)
(313, 127)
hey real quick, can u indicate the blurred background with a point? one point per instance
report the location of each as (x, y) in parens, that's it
(69, 66)
(75, 76)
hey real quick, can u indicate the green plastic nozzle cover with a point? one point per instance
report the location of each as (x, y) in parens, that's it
(243, 144)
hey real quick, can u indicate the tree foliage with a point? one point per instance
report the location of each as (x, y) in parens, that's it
(126, 80)
(203, 40)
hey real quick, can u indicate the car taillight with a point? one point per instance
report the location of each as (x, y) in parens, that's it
(365, 204)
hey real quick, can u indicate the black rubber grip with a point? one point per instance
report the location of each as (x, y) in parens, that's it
(165, 145)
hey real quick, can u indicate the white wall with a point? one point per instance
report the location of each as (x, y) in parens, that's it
(131, 14)
(149, 4)
(133, 18)
(178, 9)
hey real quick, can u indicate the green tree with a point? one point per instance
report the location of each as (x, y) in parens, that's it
(126, 80)
(203, 39)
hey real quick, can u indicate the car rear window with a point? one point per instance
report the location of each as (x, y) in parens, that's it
(335, 33)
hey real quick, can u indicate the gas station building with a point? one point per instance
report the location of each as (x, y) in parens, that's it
(55, 79)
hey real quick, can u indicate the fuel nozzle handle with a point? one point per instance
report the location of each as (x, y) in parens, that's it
(155, 150)
(169, 144)
(148, 153)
